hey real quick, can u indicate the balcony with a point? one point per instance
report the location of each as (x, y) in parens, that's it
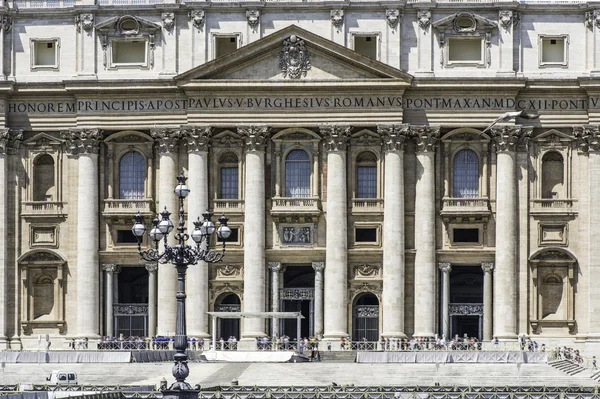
(367, 206)
(22, 4)
(296, 209)
(228, 206)
(553, 206)
(127, 208)
(43, 209)
(471, 209)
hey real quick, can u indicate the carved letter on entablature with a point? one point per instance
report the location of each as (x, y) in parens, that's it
(85, 21)
(335, 136)
(197, 18)
(393, 136)
(427, 137)
(587, 138)
(254, 137)
(508, 19)
(167, 138)
(424, 18)
(511, 138)
(10, 141)
(393, 16)
(82, 141)
(197, 138)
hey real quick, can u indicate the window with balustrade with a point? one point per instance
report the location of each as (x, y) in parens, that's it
(366, 175)
(466, 174)
(132, 176)
(297, 174)
(43, 179)
(228, 176)
(552, 175)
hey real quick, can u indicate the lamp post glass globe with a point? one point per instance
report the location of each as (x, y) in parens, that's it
(224, 231)
(165, 226)
(182, 190)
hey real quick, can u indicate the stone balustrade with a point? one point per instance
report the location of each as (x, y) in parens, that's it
(553, 203)
(228, 206)
(120, 206)
(367, 205)
(45, 208)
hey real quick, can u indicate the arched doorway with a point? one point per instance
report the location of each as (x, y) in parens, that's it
(227, 328)
(365, 318)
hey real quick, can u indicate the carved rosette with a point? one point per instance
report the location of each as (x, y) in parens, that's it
(85, 21)
(197, 18)
(82, 141)
(393, 17)
(274, 266)
(427, 137)
(393, 136)
(253, 17)
(337, 18)
(487, 267)
(168, 20)
(254, 137)
(318, 266)
(445, 267)
(294, 59)
(511, 138)
(166, 138)
(197, 138)
(424, 19)
(587, 138)
(335, 136)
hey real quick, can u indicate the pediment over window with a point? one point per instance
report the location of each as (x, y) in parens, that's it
(552, 255)
(553, 138)
(44, 257)
(43, 142)
(127, 25)
(465, 23)
(226, 138)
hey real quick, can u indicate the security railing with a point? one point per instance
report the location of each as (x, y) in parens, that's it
(226, 346)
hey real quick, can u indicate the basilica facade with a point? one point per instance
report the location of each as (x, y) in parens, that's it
(346, 142)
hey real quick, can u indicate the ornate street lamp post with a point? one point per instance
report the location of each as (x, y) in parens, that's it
(181, 255)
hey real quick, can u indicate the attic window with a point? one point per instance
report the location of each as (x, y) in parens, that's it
(44, 53)
(553, 50)
(225, 45)
(366, 45)
(129, 52)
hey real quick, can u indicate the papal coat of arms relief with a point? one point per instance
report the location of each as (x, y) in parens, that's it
(294, 59)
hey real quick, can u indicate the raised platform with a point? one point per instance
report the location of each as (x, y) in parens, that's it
(452, 357)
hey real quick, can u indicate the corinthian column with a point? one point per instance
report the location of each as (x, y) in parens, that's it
(275, 270)
(197, 140)
(9, 140)
(505, 274)
(393, 137)
(445, 268)
(425, 267)
(255, 138)
(167, 145)
(84, 144)
(109, 329)
(336, 254)
(487, 300)
(152, 268)
(318, 315)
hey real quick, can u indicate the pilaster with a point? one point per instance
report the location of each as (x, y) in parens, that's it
(86, 38)
(508, 20)
(424, 43)
(169, 48)
(318, 315)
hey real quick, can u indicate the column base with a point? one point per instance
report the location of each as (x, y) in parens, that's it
(394, 335)
(505, 74)
(4, 342)
(246, 344)
(506, 337)
(199, 335)
(424, 335)
(335, 336)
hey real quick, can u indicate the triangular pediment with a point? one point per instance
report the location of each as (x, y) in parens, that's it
(464, 23)
(553, 138)
(293, 55)
(127, 25)
(43, 140)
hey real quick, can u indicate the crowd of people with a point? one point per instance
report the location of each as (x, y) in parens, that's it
(566, 353)
(136, 343)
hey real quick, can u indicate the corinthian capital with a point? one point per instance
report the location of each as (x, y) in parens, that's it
(197, 138)
(10, 141)
(82, 141)
(587, 138)
(254, 136)
(336, 137)
(427, 137)
(167, 138)
(393, 137)
(511, 138)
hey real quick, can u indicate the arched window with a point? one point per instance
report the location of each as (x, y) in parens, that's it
(132, 176)
(366, 318)
(366, 175)
(466, 174)
(43, 179)
(297, 174)
(228, 176)
(552, 175)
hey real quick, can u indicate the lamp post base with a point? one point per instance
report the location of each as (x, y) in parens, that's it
(181, 394)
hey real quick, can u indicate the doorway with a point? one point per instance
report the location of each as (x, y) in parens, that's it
(466, 302)
(297, 295)
(227, 328)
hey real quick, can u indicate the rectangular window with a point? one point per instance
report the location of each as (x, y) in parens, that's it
(365, 235)
(463, 50)
(366, 45)
(44, 53)
(229, 183)
(225, 45)
(466, 235)
(366, 182)
(553, 50)
(126, 237)
(129, 52)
